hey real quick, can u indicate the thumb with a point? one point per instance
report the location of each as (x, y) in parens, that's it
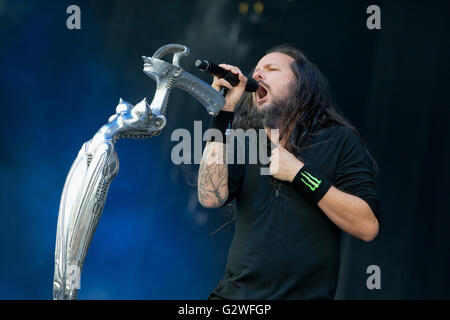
(273, 135)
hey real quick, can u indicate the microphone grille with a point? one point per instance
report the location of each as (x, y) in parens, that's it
(202, 65)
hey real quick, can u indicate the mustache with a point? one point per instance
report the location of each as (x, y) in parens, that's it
(265, 85)
(255, 94)
(274, 115)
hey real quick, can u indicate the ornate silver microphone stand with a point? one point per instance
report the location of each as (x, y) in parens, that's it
(97, 163)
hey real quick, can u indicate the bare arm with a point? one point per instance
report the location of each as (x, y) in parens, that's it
(213, 176)
(213, 173)
(350, 213)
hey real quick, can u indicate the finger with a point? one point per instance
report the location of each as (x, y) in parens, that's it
(220, 82)
(273, 135)
(273, 169)
(275, 153)
(235, 70)
(274, 160)
(242, 78)
(224, 83)
(239, 73)
(275, 163)
(226, 66)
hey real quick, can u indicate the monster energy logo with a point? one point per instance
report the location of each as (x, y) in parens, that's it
(313, 183)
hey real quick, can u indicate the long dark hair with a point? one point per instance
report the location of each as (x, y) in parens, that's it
(311, 106)
(310, 109)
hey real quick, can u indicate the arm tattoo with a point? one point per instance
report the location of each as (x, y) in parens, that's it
(213, 176)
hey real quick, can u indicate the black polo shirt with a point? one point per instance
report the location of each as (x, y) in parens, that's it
(284, 246)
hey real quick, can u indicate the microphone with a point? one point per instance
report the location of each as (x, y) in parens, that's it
(251, 86)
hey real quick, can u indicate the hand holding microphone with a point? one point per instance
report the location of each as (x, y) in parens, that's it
(233, 79)
(229, 78)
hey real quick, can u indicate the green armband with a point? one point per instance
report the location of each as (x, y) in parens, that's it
(311, 183)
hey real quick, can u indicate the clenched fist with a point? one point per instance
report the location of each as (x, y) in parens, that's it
(283, 164)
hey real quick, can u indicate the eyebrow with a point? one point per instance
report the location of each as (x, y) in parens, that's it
(268, 65)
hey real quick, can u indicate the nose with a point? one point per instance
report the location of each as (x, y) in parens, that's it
(258, 75)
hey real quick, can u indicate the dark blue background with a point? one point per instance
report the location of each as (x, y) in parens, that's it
(154, 241)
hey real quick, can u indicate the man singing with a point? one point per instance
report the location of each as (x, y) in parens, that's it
(287, 225)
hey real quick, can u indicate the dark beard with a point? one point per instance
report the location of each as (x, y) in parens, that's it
(275, 115)
(259, 118)
(269, 116)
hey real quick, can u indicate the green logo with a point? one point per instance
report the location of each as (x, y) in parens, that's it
(313, 183)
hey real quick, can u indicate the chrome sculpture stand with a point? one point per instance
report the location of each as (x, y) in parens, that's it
(97, 163)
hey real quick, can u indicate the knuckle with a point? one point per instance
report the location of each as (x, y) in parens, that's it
(223, 82)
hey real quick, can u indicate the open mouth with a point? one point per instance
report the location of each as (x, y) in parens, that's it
(261, 93)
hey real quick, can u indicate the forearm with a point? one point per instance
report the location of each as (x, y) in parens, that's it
(213, 172)
(350, 213)
(213, 176)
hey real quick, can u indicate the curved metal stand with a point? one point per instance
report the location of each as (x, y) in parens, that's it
(97, 163)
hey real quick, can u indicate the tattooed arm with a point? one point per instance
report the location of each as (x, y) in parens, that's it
(213, 173)
(213, 176)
